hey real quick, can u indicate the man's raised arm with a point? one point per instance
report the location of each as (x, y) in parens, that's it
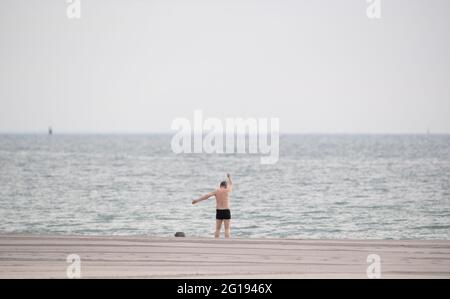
(229, 183)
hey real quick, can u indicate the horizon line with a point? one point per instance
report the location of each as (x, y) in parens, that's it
(173, 132)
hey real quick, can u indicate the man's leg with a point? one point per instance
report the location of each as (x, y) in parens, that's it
(218, 227)
(227, 228)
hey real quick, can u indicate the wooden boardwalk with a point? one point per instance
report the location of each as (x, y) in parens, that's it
(23, 256)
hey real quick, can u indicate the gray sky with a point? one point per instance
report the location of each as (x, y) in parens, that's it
(132, 66)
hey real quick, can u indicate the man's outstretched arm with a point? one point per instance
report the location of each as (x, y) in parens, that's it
(204, 197)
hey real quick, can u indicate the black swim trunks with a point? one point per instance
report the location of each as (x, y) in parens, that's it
(223, 214)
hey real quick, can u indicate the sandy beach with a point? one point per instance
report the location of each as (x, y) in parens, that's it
(28, 256)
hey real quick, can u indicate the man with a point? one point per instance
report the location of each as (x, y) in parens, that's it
(223, 214)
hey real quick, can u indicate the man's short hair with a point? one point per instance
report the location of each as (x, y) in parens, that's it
(223, 184)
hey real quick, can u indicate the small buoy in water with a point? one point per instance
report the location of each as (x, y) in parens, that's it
(180, 234)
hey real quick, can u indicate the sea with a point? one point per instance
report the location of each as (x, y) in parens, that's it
(322, 187)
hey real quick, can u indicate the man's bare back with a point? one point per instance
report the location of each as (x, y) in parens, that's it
(222, 201)
(223, 213)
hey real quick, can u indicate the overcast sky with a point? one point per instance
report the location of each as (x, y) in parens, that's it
(135, 65)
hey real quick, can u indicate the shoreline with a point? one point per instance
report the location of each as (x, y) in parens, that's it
(45, 256)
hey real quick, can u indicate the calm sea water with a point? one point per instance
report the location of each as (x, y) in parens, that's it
(338, 186)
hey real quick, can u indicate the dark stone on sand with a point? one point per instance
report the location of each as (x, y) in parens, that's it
(180, 234)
